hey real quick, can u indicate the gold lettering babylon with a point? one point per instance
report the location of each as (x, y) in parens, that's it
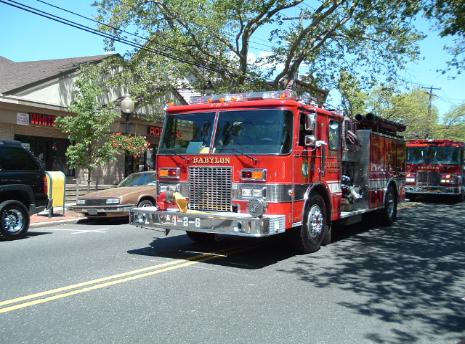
(212, 160)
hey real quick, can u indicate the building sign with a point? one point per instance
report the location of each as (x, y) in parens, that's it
(22, 118)
(42, 120)
(156, 132)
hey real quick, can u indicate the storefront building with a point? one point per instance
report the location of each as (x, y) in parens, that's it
(33, 94)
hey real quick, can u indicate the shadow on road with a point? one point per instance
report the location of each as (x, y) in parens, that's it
(104, 221)
(411, 273)
(257, 253)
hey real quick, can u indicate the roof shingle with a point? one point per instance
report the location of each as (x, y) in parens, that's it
(14, 75)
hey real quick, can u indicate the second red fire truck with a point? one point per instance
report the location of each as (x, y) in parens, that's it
(261, 164)
(435, 167)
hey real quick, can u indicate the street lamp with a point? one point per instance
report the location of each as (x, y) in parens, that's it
(127, 108)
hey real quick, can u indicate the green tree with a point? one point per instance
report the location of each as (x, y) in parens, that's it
(353, 99)
(410, 108)
(453, 124)
(211, 41)
(90, 127)
(450, 20)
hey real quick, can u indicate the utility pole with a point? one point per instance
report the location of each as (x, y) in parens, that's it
(430, 104)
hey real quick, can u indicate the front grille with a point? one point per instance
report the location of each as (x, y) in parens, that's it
(428, 178)
(96, 201)
(210, 188)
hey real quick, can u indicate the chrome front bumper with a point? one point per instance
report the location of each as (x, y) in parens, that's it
(101, 209)
(228, 223)
(433, 190)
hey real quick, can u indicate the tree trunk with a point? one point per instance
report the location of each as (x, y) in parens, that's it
(88, 179)
(78, 181)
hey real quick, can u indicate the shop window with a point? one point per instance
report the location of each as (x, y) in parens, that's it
(51, 152)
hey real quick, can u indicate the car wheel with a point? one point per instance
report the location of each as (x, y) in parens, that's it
(201, 237)
(145, 203)
(315, 228)
(14, 220)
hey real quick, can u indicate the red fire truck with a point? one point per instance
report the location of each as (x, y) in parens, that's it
(260, 164)
(435, 167)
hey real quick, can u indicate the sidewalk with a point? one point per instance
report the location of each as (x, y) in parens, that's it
(42, 219)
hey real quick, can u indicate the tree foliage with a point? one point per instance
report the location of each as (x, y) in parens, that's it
(212, 41)
(90, 127)
(453, 124)
(450, 20)
(410, 108)
(353, 98)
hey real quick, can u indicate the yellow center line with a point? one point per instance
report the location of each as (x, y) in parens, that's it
(113, 280)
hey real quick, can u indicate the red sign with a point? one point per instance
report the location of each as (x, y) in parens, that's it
(42, 120)
(156, 131)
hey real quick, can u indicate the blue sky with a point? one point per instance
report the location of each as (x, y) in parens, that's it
(27, 37)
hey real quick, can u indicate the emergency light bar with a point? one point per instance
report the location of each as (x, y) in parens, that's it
(235, 97)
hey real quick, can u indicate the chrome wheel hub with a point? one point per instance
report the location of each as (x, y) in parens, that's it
(13, 221)
(315, 221)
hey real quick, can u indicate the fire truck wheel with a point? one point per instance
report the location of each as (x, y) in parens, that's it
(328, 238)
(390, 207)
(309, 237)
(201, 237)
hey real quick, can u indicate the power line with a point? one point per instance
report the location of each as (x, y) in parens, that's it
(105, 35)
(124, 31)
(430, 97)
(109, 26)
(90, 19)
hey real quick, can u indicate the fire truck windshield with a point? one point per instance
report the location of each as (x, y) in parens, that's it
(267, 131)
(433, 155)
(187, 134)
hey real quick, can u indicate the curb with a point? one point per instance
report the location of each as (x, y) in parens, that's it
(51, 223)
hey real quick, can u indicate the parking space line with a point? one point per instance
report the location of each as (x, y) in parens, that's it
(81, 231)
(39, 298)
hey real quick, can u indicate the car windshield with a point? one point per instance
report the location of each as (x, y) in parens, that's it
(187, 134)
(137, 179)
(433, 155)
(254, 132)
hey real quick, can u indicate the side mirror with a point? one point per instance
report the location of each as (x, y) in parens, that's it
(310, 140)
(310, 121)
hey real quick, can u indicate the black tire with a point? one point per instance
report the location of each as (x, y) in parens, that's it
(202, 238)
(389, 212)
(145, 203)
(14, 220)
(328, 237)
(315, 228)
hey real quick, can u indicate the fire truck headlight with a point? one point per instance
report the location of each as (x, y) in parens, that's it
(257, 192)
(246, 192)
(257, 207)
(253, 192)
(168, 187)
(410, 180)
(449, 179)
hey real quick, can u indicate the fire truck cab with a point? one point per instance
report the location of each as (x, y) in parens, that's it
(260, 164)
(435, 167)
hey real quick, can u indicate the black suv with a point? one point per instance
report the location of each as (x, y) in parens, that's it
(23, 189)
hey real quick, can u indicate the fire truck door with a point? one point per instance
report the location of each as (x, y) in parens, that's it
(307, 161)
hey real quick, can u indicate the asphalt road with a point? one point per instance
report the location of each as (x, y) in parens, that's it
(108, 282)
